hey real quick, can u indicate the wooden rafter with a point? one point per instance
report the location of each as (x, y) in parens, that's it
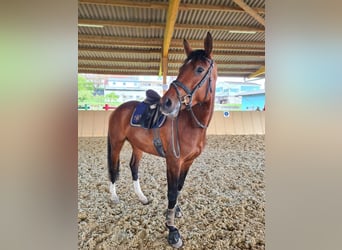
(174, 46)
(174, 42)
(123, 60)
(177, 62)
(155, 68)
(130, 71)
(159, 5)
(250, 11)
(172, 52)
(225, 53)
(118, 51)
(259, 72)
(168, 31)
(144, 67)
(151, 25)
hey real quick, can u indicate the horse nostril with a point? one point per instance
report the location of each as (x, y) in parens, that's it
(168, 103)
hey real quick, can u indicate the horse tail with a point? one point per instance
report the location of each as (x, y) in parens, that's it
(111, 168)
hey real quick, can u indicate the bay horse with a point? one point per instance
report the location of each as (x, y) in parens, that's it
(188, 105)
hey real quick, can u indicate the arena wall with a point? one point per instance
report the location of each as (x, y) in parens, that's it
(95, 123)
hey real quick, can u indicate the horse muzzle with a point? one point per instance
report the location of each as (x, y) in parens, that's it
(169, 107)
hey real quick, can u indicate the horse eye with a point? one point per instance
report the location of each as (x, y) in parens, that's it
(199, 70)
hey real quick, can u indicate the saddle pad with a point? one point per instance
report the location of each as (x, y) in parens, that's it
(138, 118)
(138, 113)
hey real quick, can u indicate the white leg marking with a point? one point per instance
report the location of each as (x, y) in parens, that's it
(139, 193)
(112, 190)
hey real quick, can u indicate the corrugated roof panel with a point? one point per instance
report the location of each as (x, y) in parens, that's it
(113, 66)
(255, 3)
(119, 55)
(251, 3)
(103, 54)
(118, 13)
(122, 32)
(207, 17)
(119, 46)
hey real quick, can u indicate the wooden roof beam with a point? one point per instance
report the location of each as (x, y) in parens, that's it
(174, 46)
(168, 31)
(108, 50)
(157, 51)
(147, 72)
(113, 72)
(226, 53)
(151, 67)
(139, 60)
(124, 60)
(117, 67)
(250, 11)
(259, 72)
(159, 41)
(159, 5)
(151, 25)
(120, 40)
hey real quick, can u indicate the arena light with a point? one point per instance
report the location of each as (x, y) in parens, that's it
(242, 31)
(90, 25)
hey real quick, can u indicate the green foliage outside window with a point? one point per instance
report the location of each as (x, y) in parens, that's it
(85, 90)
(89, 97)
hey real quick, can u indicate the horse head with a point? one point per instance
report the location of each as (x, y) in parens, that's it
(195, 81)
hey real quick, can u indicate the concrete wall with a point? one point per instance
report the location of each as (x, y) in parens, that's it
(95, 123)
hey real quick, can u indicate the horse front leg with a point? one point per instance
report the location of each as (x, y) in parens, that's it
(174, 237)
(183, 173)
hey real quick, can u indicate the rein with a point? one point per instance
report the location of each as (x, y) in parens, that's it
(187, 101)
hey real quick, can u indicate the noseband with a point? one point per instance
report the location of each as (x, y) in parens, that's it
(187, 99)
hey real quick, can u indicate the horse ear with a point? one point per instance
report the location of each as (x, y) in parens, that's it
(187, 47)
(208, 45)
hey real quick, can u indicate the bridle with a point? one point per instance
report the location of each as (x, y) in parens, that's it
(187, 99)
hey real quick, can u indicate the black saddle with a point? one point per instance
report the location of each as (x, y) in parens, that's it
(152, 97)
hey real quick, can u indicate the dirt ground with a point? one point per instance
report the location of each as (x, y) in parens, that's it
(223, 199)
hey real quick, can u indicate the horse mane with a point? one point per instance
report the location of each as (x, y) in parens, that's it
(197, 55)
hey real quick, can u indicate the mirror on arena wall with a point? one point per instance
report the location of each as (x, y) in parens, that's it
(105, 92)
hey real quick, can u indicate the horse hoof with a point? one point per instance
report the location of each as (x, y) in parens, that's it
(174, 238)
(178, 244)
(145, 201)
(115, 200)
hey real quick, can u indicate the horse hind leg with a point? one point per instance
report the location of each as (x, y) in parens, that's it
(113, 166)
(134, 165)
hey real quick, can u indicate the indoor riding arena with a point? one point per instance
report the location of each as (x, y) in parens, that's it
(223, 198)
